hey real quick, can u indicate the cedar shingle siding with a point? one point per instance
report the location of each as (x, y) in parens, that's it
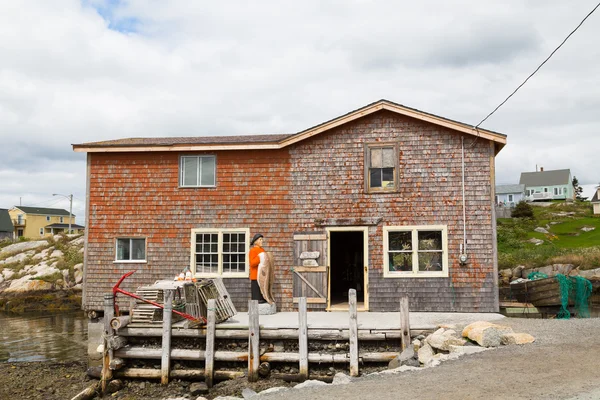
(279, 192)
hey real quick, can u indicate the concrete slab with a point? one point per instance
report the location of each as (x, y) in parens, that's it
(366, 320)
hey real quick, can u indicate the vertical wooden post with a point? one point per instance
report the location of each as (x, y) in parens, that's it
(303, 338)
(404, 323)
(353, 333)
(109, 313)
(209, 353)
(165, 365)
(253, 341)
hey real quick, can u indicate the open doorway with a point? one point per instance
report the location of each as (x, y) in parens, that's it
(346, 261)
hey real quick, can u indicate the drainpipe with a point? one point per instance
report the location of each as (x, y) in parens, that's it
(463, 247)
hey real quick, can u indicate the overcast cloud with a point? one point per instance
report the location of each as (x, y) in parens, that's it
(76, 71)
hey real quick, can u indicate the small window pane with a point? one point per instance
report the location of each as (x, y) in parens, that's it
(388, 157)
(400, 241)
(208, 171)
(190, 171)
(375, 177)
(123, 252)
(400, 262)
(387, 177)
(430, 261)
(430, 240)
(376, 158)
(138, 249)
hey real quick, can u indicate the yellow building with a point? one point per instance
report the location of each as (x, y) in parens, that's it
(36, 222)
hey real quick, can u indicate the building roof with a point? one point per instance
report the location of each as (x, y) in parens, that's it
(254, 142)
(546, 178)
(43, 211)
(595, 198)
(508, 189)
(64, 226)
(6, 224)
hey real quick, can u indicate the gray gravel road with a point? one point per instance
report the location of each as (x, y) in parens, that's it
(563, 363)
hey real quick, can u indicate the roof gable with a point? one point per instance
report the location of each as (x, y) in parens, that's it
(43, 211)
(6, 224)
(546, 178)
(256, 142)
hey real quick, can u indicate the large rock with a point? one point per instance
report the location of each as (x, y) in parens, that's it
(248, 393)
(274, 390)
(23, 246)
(56, 254)
(442, 339)
(485, 333)
(310, 383)
(517, 338)
(78, 275)
(341, 379)
(539, 229)
(197, 388)
(425, 353)
(402, 358)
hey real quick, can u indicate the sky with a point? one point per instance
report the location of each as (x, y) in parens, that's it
(79, 71)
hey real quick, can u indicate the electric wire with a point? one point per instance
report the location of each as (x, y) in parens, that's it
(538, 68)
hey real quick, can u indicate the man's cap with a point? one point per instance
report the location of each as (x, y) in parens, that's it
(255, 238)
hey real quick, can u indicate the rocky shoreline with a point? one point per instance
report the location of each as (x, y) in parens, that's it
(42, 275)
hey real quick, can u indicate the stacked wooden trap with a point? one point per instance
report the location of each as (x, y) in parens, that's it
(190, 298)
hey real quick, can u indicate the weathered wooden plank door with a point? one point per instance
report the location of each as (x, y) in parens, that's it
(310, 281)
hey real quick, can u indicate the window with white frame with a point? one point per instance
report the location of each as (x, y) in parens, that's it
(130, 249)
(41, 231)
(415, 251)
(197, 171)
(62, 219)
(48, 218)
(220, 252)
(510, 197)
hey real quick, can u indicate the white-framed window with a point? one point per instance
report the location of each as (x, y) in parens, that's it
(130, 249)
(220, 252)
(510, 197)
(197, 171)
(415, 251)
(48, 218)
(62, 219)
(41, 231)
(381, 167)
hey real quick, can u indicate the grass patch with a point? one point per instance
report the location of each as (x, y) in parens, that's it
(52, 278)
(565, 242)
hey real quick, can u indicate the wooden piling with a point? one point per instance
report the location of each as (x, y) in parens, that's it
(166, 337)
(303, 338)
(109, 313)
(404, 323)
(353, 333)
(253, 341)
(209, 362)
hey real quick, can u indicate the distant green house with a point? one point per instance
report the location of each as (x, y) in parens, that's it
(6, 225)
(548, 185)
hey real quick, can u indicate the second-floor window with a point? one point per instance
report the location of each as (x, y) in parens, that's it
(197, 171)
(381, 172)
(48, 218)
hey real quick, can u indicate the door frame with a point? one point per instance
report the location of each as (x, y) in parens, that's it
(365, 231)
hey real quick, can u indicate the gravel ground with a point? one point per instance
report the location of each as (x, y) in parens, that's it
(563, 363)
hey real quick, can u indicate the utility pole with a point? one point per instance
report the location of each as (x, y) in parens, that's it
(70, 197)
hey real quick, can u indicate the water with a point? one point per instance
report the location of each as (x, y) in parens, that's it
(43, 337)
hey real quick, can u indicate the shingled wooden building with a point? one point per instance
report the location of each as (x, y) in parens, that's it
(388, 199)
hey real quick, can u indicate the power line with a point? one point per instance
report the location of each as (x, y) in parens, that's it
(538, 68)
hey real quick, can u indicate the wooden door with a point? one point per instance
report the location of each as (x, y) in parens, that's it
(310, 281)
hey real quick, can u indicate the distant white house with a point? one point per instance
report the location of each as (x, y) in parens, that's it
(596, 201)
(509, 195)
(548, 185)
